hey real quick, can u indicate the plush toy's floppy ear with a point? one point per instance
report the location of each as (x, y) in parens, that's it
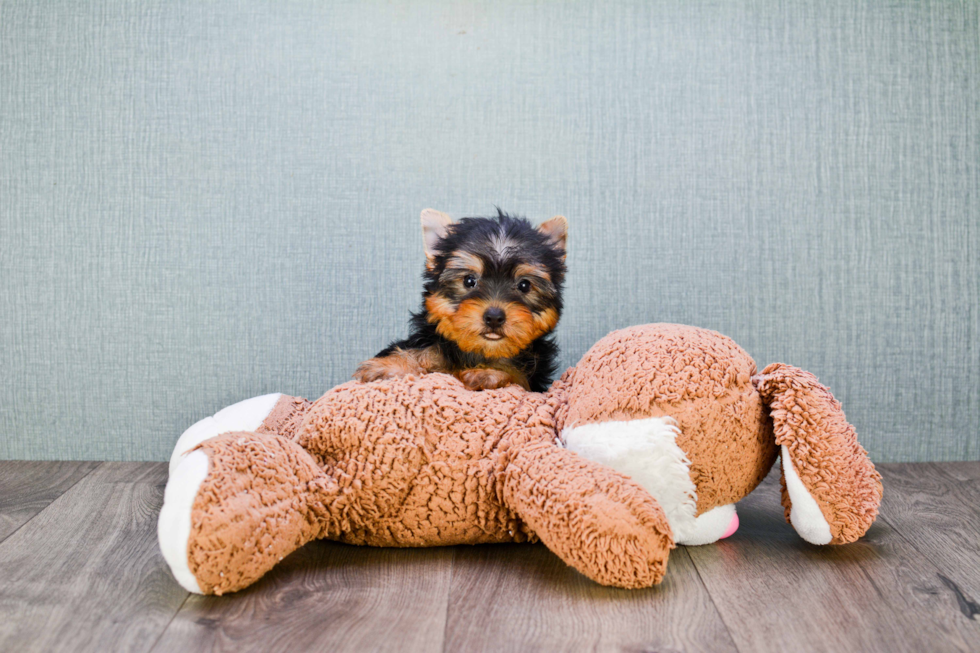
(556, 230)
(435, 225)
(831, 490)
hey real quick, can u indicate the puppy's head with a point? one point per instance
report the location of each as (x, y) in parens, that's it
(493, 285)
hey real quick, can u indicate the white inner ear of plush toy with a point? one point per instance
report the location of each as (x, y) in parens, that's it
(646, 450)
(174, 524)
(804, 513)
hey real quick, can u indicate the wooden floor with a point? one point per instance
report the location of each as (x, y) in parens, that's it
(80, 570)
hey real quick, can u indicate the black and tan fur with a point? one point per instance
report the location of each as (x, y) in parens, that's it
(492, 296)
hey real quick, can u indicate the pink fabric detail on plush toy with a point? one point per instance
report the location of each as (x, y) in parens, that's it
(732, 527)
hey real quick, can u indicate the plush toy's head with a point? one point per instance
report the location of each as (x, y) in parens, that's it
(699, 378)
(683, 411)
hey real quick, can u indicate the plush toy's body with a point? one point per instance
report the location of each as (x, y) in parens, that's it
(649, 441)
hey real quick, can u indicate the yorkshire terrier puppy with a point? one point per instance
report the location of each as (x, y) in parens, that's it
(492, 294)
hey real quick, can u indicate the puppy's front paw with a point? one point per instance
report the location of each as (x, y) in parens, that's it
(389, 367)
(485, 379)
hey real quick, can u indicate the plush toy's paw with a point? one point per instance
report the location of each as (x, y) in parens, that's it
(237, 506)
(831, 490)
(246, 415)
(592, 517)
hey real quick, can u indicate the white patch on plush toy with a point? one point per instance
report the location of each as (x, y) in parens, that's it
(804, 513)
(174, 525)
(646, 450)
(709, 527)
(246, 415)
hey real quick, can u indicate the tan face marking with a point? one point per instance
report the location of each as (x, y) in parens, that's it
(439, 308)
(528, 270)
(465, 261)
(464, 325)
(524, 327)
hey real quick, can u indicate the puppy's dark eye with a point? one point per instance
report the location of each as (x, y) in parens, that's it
(524, 285)
(469, 281)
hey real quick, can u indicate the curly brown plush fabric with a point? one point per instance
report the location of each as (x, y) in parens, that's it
(418, 462)
(824, 451)
(591, 513)
(286, 416)
(425, 456)
(426, 462)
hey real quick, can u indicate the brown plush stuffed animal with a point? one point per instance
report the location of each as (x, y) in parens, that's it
(648, 442)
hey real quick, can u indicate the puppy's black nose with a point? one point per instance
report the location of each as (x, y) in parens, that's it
(494, 317)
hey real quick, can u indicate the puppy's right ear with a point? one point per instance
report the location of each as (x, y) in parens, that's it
(435, 226)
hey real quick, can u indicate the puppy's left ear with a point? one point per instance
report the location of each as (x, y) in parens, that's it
(435, 226)
(556, 231)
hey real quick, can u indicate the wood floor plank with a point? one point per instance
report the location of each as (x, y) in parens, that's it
(939, 515)
(963, 471)
(522, 597)
(778, 593)
(86, 574)
(27, 487)
(326, 596)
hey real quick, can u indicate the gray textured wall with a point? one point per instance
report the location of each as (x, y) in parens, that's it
(199, 204)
